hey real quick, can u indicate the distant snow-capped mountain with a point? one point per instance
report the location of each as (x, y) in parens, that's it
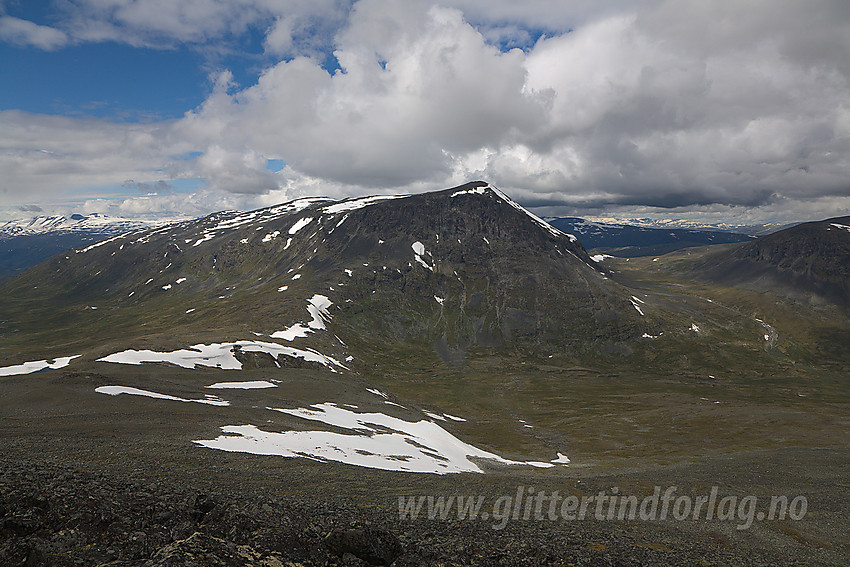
(91, 223)
(645, 222)
(26, 242)
(628, 240)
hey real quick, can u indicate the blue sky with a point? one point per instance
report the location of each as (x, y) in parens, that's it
(720, 112)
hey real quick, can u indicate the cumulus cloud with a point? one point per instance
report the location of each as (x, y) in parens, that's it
(25, 33)
(673, 104)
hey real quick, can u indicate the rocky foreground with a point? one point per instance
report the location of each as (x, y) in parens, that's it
(52, 514)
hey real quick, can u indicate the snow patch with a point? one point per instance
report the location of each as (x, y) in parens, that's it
(251, 385)
(299, 224)
(117, 390)
(219, 355)
(358, 203)
(37, 366)
(419, 252)
(475, 191)
(376, 440)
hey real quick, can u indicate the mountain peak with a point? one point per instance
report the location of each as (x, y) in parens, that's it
(457, 268)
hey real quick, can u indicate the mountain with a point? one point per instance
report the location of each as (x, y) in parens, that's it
(808, 262)
(628, 241)
(25, 243)
(450, 270)
(662, 223)
(266, 384)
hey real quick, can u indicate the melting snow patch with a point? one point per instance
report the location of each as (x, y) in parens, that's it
(635, 301)
(294, 332)
(561, 460)
(648, 336)
(299, 224)
(475, 191)
(166, 287)
(354, 204)
(296, 277)
(599, 257)
(252, 385)
(842, 226)
(434, 415)
(375, 441)
(419, 252)
(180, 281)
(208, 236)
(101, 243)
(694, 328)
(37, 366)
(219, 355)
(453, 417)
(317, 307)
(283, 288)
(116, 390)
(271, 236)
(440, 300)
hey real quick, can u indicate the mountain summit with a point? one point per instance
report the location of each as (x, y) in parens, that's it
(448, 270)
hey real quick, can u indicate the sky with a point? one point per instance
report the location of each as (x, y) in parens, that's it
(722, 111)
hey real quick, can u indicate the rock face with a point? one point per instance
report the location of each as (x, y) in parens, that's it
(809, 262)
(454, 269)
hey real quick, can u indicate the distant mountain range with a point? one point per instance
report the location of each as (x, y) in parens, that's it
(625, 240)
(25, 243)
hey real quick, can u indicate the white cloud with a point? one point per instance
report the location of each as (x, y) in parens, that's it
(678, 104)
(25, 33)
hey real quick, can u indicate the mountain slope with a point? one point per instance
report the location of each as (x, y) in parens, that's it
(450, 270)
(808, 262)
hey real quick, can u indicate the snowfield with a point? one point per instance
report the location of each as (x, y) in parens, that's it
(376, 440)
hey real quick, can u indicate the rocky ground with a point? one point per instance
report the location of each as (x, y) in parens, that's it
(56, 512)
